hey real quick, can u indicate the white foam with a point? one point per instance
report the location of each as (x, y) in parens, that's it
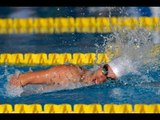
(117, 93)
(133, 47)
(13, 91)
(156, 37)
(43, 88)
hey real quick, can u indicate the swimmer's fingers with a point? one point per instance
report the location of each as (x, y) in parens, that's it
(14, 81)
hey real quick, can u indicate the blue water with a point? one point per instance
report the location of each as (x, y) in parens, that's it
(131, 88)
(128, 89)
(51, 43)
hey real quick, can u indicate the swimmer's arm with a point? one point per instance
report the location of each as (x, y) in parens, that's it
(38, 77)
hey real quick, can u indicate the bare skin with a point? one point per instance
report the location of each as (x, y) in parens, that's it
(61, 74)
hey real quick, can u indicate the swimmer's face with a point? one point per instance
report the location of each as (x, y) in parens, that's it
(99, 76)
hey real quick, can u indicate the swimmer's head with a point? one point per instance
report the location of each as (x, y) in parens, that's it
(121, 66)
(108, 72)
(103, 73)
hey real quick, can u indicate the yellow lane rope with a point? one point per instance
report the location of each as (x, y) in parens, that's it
(52, 58)
(62, 58)
(78, 24)
(80, 108)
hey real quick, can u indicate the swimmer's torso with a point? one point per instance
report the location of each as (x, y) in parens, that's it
(60, 77)
(65, 74)
(55, 78)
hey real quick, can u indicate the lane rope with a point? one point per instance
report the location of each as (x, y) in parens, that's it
(62, 58)
(80, 108)
(78, 24)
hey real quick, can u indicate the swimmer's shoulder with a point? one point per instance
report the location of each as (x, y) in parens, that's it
(65, 66)
(76, 66)
(68, 66)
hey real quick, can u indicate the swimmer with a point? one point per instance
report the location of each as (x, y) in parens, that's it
(64, 74)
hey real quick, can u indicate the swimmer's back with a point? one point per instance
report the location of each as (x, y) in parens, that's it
(67, 73)
(68, 67)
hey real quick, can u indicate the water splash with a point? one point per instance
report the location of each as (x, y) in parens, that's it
(130, 50)
(12, 91)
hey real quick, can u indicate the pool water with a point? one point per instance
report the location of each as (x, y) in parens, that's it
(130, 88)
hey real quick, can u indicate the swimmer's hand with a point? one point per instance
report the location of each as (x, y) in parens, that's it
(14, 81)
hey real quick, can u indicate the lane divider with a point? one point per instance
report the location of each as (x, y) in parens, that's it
(78, 24)
(62, 58)
(53, 58)
(80, 108)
